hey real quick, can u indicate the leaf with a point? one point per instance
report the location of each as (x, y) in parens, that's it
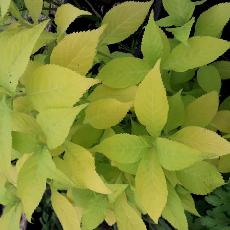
(5, 137)
(204, 140)
(224, 69)
(65, 211)
(65, 15)
(205, 49)
(212, 21)
(105, 113)
(176, 156)
(174, 210)
(123, 72)
(123, 20)
(127, 217)
(224, 164)
(52, 86)
(77, 50)
(209, 78)
(56, 124)
(201, 178)
(79, 166)
(122, 148)
(35, 8)
(15, 54)
(151, 189)
(222, 121)
(122, 95)
(4, 5)
(151, 105)
(201, 111)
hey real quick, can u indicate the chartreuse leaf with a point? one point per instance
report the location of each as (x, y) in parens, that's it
(123, 95)
(123, 72)
(117, 190)
(123, 20)
(223, 68)
(174, 210)
(65, 15)
(205, 49)
(78, 165)
(176, 112)
(65, 211)
(4, 5)
(222, 121)
(105, 113)
(11, 217)
(151, 189)
(212, 21)
(15, 54)
(52, 86)
(201, 178)
(202, 139)
(77, 50)
(126, 216)
(56, 124)
(225, 105)
(35, 8)
(5, 136)
(122, 148)
(209, 78)
(224, 164)
(176, 156)
(151, 105)
(201, 111)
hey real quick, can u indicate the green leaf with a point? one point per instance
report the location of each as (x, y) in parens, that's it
(176, 156)
(4, 5)
(201, 111)
(151, 189)
(223, 68)
(15, 54)
(117, 190)
(201, 178)
(122, 95)
(52, 86)
(212, 21)
(65, 211)
(123, 72)
(123, 20)
(209, 78)
(204, 140)
(174, 210)
(105, 113)
(224, 164)
(126, 216)
(56, 124)
(79, 166)
(77, 50)
(222, 121)
(35, 8)
(122, 148)
(151, 105)
(65, 15)
(205, 49)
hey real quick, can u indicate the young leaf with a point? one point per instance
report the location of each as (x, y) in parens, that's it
(224, 69)
(151, 105)
(56, 124)
(204, 140)
(127, 217)
(65, 15)
(201, 178)
(77, 50)
(123, 20)
(174, 210)
(209, 78)
(53, 86)
(122, 148)
(123, 72)
(35, 8)
(15, 54)
(205, 49)
(201, 111)
(105, 113)
(4, 5)
(176, 156)
(222, 121)
(65, 211)
(212, 21)
(151, 189)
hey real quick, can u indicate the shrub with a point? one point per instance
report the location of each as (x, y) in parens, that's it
(109, 135)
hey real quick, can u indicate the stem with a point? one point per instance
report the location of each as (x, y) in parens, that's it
(92, 8)
(105, 55)
(23, 222)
